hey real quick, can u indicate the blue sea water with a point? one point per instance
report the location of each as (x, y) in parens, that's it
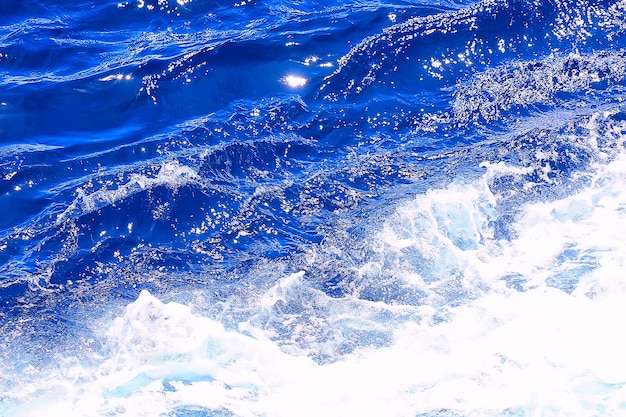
(293, 208)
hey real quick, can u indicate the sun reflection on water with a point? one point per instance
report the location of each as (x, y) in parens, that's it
(294, 81)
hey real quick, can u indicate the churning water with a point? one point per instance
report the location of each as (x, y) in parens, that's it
(312, 208)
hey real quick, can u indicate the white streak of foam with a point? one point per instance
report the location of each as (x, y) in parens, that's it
(536, 351)
(533, 351)
(171, 174)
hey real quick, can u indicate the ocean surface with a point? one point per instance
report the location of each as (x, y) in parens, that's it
(275, 208)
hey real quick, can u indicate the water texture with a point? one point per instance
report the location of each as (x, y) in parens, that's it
(270, 208)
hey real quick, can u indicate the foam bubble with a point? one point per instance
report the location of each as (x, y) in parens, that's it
(490, 94)
(534, 333)
(170, 174)
(438, 314)
(159, 356)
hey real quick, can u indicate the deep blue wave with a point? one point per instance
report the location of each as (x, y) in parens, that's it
(213, 148)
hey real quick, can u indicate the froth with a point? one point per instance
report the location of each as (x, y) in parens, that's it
(170, 174)
(492, 93)
(159, 357)
(438, 312)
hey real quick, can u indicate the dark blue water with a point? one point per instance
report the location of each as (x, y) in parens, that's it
(319, 178)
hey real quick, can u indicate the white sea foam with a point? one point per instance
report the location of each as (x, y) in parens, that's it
(441, 314)
(171, 174)
(538, 335)
(491, 93)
